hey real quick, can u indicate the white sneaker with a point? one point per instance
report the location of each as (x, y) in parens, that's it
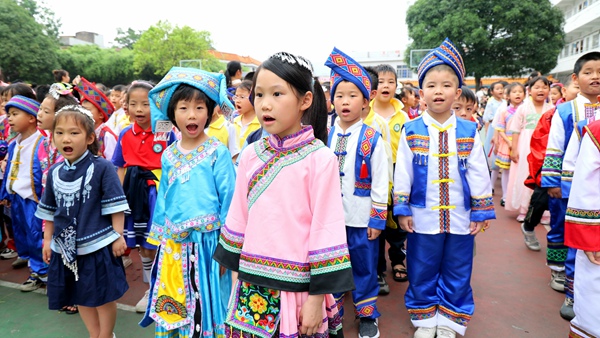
(8, 254)
(425, 332)
(557, 280)
(127, 261)
(141, 306)
(445, 332)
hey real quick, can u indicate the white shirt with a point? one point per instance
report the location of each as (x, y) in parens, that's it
(22, 185)
(110, 142)
(357, 209)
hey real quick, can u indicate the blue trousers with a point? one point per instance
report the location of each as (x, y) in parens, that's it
(28, 234)
(363, 257)
(439, 274)
(559, 256)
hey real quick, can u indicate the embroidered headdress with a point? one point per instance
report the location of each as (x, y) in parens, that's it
(89, 92)
(59, 88)
(213, 85)
(344, 67)
(30, 106)
(445, 54)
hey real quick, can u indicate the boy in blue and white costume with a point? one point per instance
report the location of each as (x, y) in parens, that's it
(443, 196)
(364, 179)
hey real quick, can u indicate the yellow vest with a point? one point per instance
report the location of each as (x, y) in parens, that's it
(252, 126)
(218, 129)
(394, 124)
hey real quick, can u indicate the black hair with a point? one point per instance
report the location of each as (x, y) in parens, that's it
(20, 89)
(83, 121)
(246, 84)
(404, 92)
(374, 77)
(186, 92)
(138, 84)
(539, 78)
(41, 91)
(62, 101)
(385, 68)
(59, 74)
(591, 56)
(103, 88)
(119, 88)
(249, 76)
(468, 94)
(493, 85)
(233, 67)
(296, 73)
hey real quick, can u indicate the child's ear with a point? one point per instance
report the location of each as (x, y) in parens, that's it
(32, 119)
(365, 103)
(90, 138)
(458, 93)
(306, 101)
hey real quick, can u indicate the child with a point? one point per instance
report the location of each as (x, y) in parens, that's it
(26, 162)
(581, 233)
(285, 287)
(137, 157)
(442, 195)
(94, 100)
(556, 96)
(410, 102)
(246, 122)
(223, 131)
(521, 126)
(466, 104)
(491, 108)
(516, 94)
(390, 108)
(185, 287)
(83, 205)
(363, 166)
(119, 119)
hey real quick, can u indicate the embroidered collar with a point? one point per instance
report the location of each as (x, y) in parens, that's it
(428, 120)
(296, 140)
(356, 126)
(73, 166)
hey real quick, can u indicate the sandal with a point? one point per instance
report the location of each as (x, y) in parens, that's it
(400, 274)
(69, 309)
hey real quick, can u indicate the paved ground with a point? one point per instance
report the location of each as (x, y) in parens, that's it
(510, 284)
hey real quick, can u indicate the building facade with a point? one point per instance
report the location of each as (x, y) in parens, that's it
(582, 33)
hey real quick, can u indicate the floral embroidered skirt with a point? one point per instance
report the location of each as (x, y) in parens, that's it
(256, 311)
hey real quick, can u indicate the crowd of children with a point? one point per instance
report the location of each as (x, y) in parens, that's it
(196, 172)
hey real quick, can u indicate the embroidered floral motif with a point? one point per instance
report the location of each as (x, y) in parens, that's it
(459, 318)
(180, 231)
(170, 306)
(184, 163)
(255, 310)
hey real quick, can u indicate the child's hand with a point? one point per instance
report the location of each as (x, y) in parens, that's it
(475, 227)
(222, 270)
(46, 251)
(406, 223)
(593, 256)
(119, 246)
(496, 151)
(311, 315)
(514, 156)
(373, 233)
(555, 192)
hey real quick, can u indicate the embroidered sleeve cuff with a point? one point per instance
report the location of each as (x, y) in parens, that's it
(480, 216)
(330, 270)
(334, 282)
(227, 258)
(44, 214)
(401, 207)
(114, 207)
(582, 229)
(378, 217)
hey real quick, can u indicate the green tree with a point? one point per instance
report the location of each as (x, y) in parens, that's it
(510, 37)
(126, 39)
(43, 15)
(109, 66)
(26, 53)
(162, 46)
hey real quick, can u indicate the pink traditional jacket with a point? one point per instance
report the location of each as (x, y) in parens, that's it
(285, 228)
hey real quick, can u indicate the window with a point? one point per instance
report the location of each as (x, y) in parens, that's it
(403, 72)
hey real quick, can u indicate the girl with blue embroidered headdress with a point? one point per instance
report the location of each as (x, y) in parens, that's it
(193, 198)
(83, 205)
(288, 252)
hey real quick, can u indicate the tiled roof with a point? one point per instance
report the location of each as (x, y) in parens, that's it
(234, 57)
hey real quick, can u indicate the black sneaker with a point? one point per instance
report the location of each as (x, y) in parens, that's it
(367, 328)
(384, 288)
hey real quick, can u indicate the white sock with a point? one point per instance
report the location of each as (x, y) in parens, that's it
(504, 181)
(494, 177)
(147, 268)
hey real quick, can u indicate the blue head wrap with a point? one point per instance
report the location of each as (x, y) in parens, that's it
(344, 67)
(212, 84)
(445, 54)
